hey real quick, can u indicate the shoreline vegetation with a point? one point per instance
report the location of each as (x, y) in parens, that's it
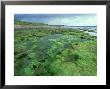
(54, 50)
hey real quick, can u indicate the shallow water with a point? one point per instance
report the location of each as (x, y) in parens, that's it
(91, 33)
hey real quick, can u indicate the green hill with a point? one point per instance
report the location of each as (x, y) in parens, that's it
(17, 22)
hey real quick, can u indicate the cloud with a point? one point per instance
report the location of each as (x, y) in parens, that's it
(61, 19)
(75, 20)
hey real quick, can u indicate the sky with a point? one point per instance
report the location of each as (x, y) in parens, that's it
(60, 19)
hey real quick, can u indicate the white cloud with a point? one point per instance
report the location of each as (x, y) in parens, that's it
(74, 21)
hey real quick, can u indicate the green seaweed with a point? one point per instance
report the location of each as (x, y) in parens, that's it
(54, 52)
